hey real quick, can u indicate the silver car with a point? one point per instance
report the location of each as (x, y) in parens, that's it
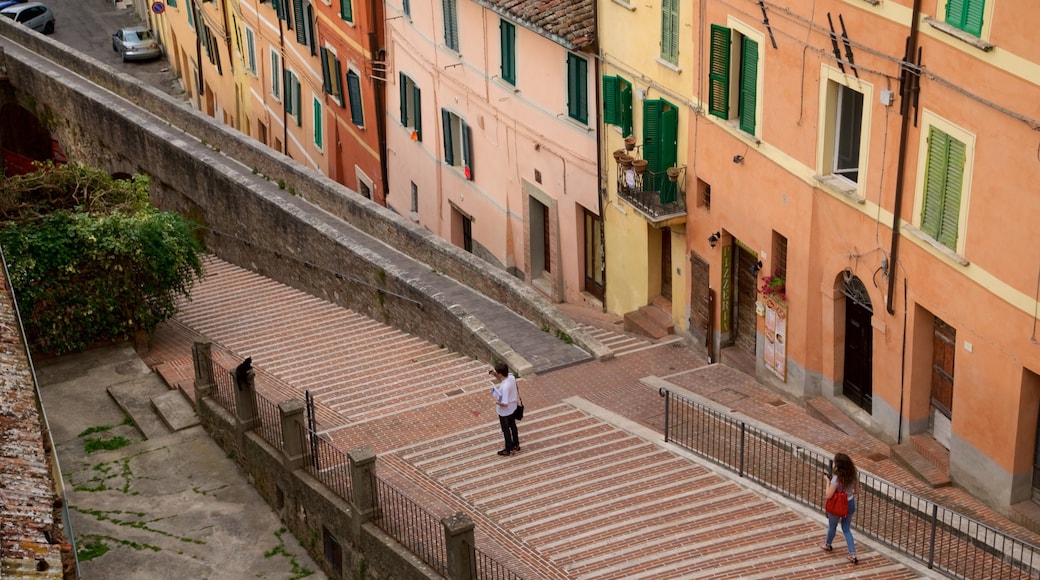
(32, 14)
(136, 43)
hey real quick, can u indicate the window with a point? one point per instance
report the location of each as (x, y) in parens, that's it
(251, 51)
(508, 41)
(357, 115)
(617, 104)
(411, 106)
(451, 24)
(848, 127)
(280, 9)
(292, 95)
(406, 7)
(415, 198)
(943, 186)
(303, 14)
(171, 3)
(727, 44)
(660, 146)
(670, 31)
(191, 16)
(457, 148)
(346, 10)
(577, 88)
(276, 77)
(319, 121)
(966, 15)
(331, 78)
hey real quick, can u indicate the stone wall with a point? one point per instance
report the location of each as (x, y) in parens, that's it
(263, 203)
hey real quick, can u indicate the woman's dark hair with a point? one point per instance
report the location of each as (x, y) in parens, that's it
(845, 469)
(502, 369)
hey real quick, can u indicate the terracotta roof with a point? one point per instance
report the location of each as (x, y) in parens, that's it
(569, 22)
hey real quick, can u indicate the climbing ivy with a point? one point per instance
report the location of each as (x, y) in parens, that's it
(89, 258)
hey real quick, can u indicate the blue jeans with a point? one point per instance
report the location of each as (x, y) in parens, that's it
(832, 527)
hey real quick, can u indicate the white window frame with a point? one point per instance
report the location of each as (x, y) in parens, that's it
(276, 75)
(828, 126)
(250, 51)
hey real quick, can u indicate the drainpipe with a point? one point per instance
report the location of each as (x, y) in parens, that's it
(904, 110)
(597, 76)
(375, 40)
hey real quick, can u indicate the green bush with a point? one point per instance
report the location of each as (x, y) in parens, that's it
(90, 259)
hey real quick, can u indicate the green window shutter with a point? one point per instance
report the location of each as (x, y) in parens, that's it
(652, 134)
(934, 182)
(354, 92)
(346, 10)
(670, 30)
(287, 83)
(625, 101)
(966, 15)
(171, 3)
(951, 211)
(669, 151)
(467, 150)
(337, 84)
(451, 24)
(298, 16)
(317, 124)
(748, 85)
(449, 150)
(718, 72)
(418, 112)
(402, 89)
(297, 102)
(577, 88)
(611, 96)
(508, 42)
(326, 77)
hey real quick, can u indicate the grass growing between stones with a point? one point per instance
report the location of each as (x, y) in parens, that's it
(92, 444)
(118, 518)
(298, 571)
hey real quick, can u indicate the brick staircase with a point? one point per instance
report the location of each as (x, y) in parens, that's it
(653, 320)
(926, 458)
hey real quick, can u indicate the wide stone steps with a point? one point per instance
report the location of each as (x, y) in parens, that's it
(611, 504)
(622, 343)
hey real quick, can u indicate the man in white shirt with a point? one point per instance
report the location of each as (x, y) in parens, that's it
(505, 395)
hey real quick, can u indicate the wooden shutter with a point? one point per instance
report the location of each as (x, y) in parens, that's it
(449, 150)
(934, 182)
(297, 101)
(337, 84)
(318, 140)
(625, 102)
(748, 85)
(670, 30)
(287, 83)
(402, 89)
(467, 150)
(451, 25)
(652, 134)
(417, 103)
(301, 29)
(966, 15)
(354, 92)
(508, 51)
(346, 10)
(718, 72)
(577, 88)
(326, 76)
(611, 97)
(951, 211)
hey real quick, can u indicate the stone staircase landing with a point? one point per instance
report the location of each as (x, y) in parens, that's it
(653, 320)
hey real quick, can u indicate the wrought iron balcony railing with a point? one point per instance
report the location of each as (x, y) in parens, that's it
(660, 196)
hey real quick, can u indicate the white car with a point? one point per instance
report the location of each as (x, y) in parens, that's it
(32, 14)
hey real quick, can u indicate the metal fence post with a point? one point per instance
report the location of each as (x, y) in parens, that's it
(931, 546)
(365, 501)
(742, 432)
(458, 539)
(667, 407)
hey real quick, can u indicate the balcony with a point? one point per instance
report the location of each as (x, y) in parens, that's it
(659, 196)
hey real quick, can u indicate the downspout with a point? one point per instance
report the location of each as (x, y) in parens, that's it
(904, 110)
(375, 40)
(281, 79)
(197, 14)
(601, 181)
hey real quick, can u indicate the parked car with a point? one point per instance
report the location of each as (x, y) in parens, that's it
(136, 43)
(32, 14)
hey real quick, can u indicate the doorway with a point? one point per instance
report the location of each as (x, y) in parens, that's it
(940, 415)
(745, 274)
(594, 262)
(666, 263)
(857, 385)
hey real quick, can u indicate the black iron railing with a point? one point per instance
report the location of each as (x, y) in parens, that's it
(657, 194)
(944, 540)
(415, 528)
(225, 391)
(324, 462)
(270, 421)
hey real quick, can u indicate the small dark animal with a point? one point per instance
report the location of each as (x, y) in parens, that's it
(243, 372)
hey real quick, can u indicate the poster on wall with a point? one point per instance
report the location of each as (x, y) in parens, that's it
(775, 351)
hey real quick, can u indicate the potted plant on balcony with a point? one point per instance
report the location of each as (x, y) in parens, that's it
(673, 174)
(630, 143)
(625, 161)
(639, 165)
(617, 154)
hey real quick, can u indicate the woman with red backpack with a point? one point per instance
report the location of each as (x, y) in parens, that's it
(841, 503)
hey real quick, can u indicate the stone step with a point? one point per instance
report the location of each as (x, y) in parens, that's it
(906, 455)
(639, 322)
(135, 399)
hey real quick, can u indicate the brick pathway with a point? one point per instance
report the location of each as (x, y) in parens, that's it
(595, 493)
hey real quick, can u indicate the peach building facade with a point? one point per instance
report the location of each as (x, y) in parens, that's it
(491, 134)
(860, 216)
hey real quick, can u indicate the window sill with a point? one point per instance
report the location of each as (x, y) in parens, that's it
(414, 216)
(735, 125)
(929, 240)
(625, 5)
(960, 34)
(839, 186)
(669, 65)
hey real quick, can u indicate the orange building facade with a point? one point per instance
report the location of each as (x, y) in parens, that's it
(860, 216)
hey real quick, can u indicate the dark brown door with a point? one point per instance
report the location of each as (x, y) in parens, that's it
(666, 263)
(594, 263)
(747, 293)
(699, 297)
(858, 382)
(943, 347)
